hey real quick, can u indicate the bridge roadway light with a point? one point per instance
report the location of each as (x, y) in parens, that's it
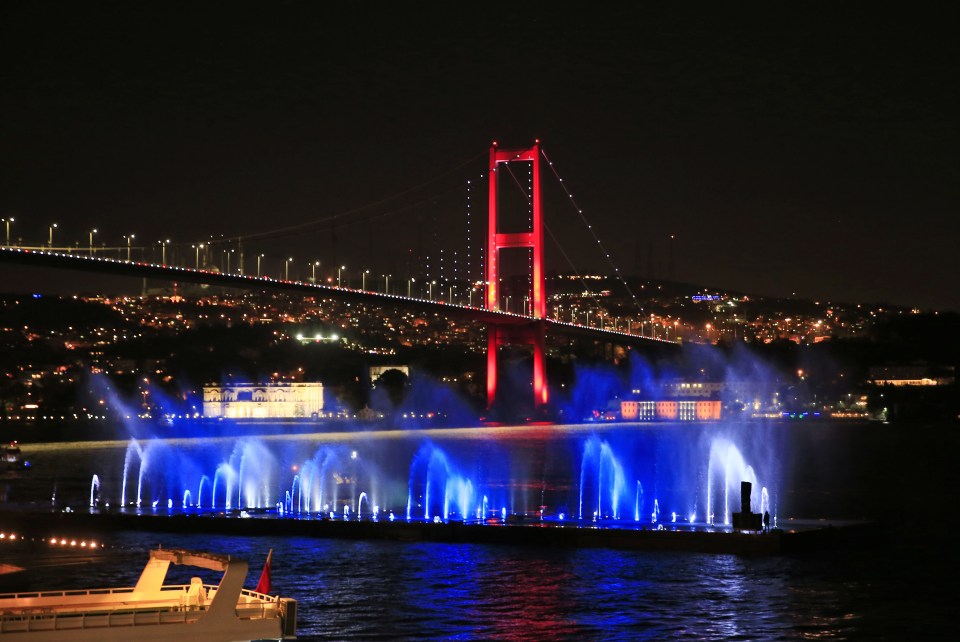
(410, 288)
(313, 271)
(363, 280)
(8, 221)
(386, 284)
(92, 232)
(53, 225)
(286, 269)
(259, 257)
(163, 252)
(339, 270)
(129, 238)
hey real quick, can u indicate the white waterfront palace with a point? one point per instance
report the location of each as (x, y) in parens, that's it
(263, 401)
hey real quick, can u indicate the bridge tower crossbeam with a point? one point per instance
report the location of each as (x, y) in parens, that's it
(534, 332)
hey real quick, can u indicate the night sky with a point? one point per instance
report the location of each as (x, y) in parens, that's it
(797, 151)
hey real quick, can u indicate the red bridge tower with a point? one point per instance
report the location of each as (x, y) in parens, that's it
(532, 333)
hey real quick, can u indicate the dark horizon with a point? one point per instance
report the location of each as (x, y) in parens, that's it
(789, 153)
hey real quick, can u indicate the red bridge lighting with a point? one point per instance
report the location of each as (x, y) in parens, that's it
(535, 333)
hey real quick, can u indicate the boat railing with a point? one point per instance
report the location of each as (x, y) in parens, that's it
(59, 594)
(258, 606)
(37, 611)
(60, 620)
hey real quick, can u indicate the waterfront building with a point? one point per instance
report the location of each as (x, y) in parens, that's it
(696, 389)
(263, 401)
(670, 410)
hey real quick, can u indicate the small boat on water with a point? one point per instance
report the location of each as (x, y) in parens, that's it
(11, 458)
(152, 611)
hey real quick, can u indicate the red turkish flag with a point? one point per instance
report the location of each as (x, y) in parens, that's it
(263, 586)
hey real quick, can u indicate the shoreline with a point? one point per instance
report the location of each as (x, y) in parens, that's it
(41, 525)
(111, 434)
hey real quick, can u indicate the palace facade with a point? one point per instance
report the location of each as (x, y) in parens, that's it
(263, 401)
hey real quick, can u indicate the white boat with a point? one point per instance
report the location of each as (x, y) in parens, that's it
(152, 611)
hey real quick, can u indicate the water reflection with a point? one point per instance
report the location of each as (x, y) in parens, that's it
(392, 590)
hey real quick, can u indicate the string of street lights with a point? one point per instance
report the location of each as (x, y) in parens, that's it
(204, 257)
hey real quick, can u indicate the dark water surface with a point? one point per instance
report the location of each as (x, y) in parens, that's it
(905, 478)
(390, 591)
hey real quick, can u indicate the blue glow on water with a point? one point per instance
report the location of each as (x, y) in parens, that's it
(470, 474)
(566, 594)
(585, 594)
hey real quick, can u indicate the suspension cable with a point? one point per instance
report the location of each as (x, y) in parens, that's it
(288, 232)
(290, 229)
(556, 242)
(583, 218)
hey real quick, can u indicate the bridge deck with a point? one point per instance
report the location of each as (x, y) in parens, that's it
(138, 269)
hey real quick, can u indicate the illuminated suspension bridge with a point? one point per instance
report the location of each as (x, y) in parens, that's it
(506, 325)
